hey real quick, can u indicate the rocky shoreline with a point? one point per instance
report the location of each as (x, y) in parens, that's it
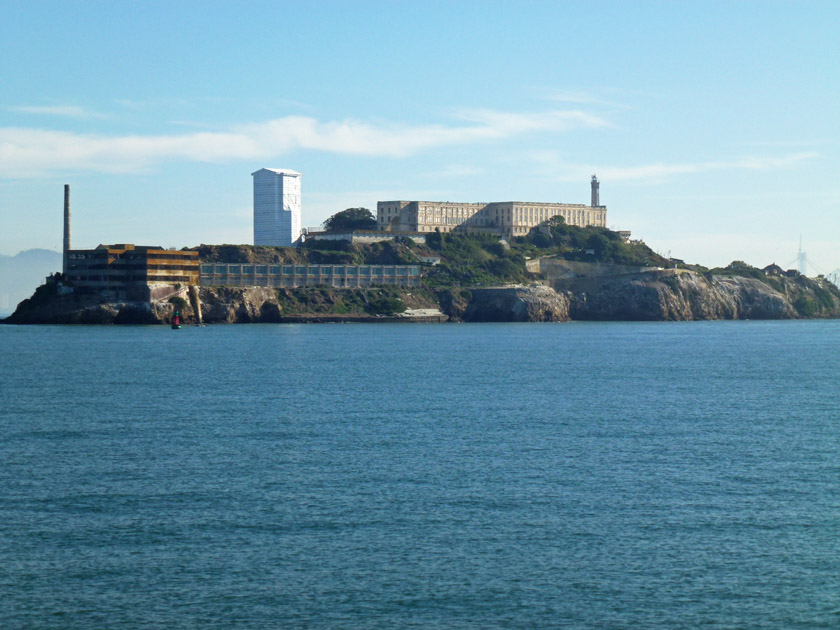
(661, 295)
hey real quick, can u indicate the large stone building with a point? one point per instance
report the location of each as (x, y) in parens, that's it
(276, 207)
(506, 218)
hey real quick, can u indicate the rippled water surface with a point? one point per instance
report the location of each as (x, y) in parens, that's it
(617, 475)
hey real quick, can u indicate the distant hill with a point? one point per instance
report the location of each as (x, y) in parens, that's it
(20, 275)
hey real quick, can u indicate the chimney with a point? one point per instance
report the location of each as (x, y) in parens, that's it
(66, 229)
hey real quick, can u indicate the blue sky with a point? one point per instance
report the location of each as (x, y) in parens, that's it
(712, 126)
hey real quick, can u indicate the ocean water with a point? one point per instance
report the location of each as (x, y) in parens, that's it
(582, 475)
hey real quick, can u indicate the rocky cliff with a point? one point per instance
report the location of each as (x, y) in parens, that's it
(516, 304)
(229, 305)
(653, 296)
(669, 295)
(66, 310)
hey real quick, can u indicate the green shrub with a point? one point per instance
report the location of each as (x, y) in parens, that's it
(542, 240)
(825, 298)
(805, 306)
(385, 305)
(434, 240)
(776, 284)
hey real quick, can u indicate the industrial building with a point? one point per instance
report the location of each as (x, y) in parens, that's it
(131, 272)
(277, 220)
(506, 218)
(125, 271)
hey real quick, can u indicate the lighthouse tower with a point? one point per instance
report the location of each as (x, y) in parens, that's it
(595, 185)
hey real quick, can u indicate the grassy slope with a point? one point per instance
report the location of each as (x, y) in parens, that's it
(482, 260)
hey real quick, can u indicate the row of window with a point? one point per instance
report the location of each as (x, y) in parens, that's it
(93, 256)
(193, 256)
(131, 255)
(121, 267)
(129, 279)
(288, 270)
(298, 281)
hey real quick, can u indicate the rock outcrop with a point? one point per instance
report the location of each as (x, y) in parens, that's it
(229, 305)
(75, 310)
(666, 296)
(536, 303)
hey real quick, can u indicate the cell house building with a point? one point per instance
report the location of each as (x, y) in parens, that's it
(505, 218)
(277, 207)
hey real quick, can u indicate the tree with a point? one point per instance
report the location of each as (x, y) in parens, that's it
(435, 240)
(351, 219)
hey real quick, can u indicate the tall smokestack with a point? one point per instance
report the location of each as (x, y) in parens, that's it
(65, 258)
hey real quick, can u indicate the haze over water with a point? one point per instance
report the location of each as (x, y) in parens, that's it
(605, 475)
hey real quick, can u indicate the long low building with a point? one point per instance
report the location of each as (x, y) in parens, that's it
(293, 276)
(506, 218)
(130, 271)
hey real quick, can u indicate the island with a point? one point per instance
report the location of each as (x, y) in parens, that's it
(556, 272)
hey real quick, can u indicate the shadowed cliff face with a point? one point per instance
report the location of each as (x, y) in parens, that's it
(517, 304)
(227, 305)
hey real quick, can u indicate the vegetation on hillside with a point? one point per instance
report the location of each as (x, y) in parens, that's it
(328, 301)
(258, 254)
(469, 260)
(587, 244)
(400, 251)
(473, 259)
(483, 259)
(810, 297)
(466, 259)
(313, 252)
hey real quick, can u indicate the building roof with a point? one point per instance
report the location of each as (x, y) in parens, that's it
(279, 171)
(124, 247)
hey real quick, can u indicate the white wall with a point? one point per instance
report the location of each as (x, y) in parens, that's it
(277, 207)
